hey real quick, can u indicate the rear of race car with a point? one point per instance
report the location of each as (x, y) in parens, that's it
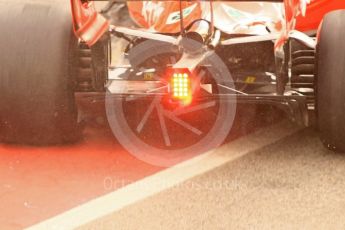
(189, 64)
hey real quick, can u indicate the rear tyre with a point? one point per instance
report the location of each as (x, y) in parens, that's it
(36, 68)
(331, 81)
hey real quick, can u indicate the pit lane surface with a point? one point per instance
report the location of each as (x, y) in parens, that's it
(267, 174)
(293, 183)
(37, 183)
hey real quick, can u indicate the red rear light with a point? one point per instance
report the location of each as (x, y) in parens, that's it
(181, 86)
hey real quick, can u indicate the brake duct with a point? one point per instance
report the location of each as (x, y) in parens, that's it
(88, 25)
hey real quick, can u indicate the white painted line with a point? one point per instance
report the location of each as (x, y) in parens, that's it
(166, 179)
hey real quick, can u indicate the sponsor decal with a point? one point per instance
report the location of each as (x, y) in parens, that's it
(175, 16)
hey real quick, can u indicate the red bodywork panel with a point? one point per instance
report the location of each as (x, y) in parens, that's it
(88, 24)
(316, 11)
(151, 15)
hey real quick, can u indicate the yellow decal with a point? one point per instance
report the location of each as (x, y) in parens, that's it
(148, 76)
(250, 79)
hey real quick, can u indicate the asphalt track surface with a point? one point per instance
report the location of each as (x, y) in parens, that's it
(290, 182)
(293, 183)
(40, 182)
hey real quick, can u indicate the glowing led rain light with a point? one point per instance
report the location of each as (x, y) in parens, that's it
(181, 87)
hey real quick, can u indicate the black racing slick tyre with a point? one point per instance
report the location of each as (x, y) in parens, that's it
(37, 105)
(331, 81)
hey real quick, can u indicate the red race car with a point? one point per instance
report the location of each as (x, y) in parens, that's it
(185, 67)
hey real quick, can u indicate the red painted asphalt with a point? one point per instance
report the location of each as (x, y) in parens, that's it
(38, 183)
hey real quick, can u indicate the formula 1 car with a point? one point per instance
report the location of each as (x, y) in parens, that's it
(182, 73)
